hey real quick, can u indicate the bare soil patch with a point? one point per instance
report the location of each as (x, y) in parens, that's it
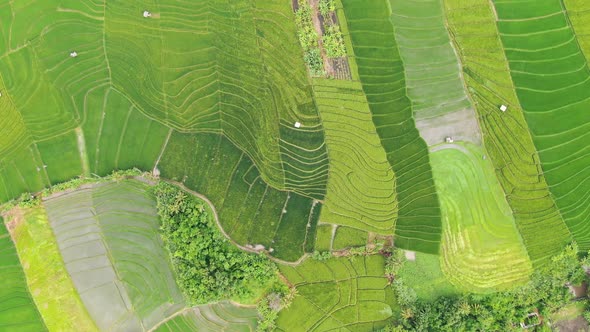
(14, 218)
(572, 325)
(460, 126)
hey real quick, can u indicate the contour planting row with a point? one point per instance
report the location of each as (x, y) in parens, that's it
(222, 316)
(89, 105)
(552, 82)
(338, 294)
(250, 211)
(481, 247)
(430, 63)
(382, 75)
(208, 70)
(506, 136)
(361, 188)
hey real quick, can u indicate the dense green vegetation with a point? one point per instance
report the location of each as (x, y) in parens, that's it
(308, 38)
(250, 211)
(208, 268)
(304, 165)
(418, 226)
(503, 311)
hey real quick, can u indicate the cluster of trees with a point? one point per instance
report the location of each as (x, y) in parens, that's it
(308, 38)
(546, 292)
(208, 268)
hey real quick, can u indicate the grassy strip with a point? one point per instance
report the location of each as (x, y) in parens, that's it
(51, 287)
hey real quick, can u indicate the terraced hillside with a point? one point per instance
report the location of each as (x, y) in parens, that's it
(508, 143)
(381, 72)
(361, 188)
(552, 81)
(111, 94)
(108, 237)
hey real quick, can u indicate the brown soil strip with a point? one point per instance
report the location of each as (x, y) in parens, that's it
(319, 28)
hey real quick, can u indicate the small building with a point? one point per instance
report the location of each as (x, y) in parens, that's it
(73, 54)
(449, 139)
(147, 14)
(503, 108)
(297, 124)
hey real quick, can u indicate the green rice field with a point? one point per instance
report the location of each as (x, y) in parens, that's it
(19, 312)
(398, 165)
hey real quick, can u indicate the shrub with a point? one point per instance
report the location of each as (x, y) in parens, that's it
(208, 268)
(314, 62)
(308, 36)
(326, 6)
(334, 42)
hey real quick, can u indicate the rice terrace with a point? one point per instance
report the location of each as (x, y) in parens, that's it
(294, 165)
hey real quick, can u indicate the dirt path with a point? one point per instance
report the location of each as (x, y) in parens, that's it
(163, 149)
(216, 216)
(82, 151)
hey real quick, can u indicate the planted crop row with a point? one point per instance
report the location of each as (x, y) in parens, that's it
(430, 63)
(361, 187)
(338, 294)
(108, 238)
(382, 75)
(552, 82)
(506, 136)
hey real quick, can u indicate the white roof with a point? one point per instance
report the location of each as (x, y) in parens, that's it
(74, 54)
(503, 108)
(146, 13)
(297, 124)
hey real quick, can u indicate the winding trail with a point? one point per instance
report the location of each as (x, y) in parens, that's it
(216, 216)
